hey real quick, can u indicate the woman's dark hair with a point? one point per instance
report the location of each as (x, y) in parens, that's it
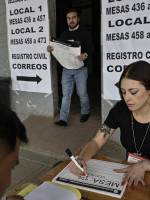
(138, 71)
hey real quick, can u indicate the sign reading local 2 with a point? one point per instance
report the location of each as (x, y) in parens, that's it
(126, 39)
(28, 37)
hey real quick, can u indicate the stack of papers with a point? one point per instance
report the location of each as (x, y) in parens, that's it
(27, 190)
(66, 53)
(52, 191)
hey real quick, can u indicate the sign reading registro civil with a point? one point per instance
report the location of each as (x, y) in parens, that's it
(126, 39)
(28, 36)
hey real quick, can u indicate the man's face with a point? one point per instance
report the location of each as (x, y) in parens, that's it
(72, 20)
(6, 165)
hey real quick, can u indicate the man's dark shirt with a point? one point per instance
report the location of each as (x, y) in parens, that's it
(82, 36)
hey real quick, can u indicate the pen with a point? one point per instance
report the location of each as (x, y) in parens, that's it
(74, 160)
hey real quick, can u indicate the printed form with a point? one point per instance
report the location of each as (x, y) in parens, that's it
(66, 53)
(100, 178)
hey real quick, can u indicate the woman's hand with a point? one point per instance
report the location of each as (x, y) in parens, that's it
(135, 174)
(75, 170)
(15, 197)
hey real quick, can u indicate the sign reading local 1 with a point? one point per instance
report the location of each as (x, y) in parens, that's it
(28, 37)
(126, 39)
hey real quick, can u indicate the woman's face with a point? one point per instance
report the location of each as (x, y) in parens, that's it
(135, 94)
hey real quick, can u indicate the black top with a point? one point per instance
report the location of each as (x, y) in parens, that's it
(120, 117)
(82, 36)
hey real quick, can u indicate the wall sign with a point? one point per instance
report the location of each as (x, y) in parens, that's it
(28, 37)
(126, 39)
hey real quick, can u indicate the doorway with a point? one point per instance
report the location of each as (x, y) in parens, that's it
(89, 18)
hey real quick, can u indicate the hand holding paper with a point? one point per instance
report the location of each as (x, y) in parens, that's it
(82, 57)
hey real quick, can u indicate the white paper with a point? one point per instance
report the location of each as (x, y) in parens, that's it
(50, 191)
(66, 54)
(100, 178)
(28, 36)
(125, 39)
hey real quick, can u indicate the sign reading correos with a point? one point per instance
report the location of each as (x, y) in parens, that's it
(126, 39)
(28, 37)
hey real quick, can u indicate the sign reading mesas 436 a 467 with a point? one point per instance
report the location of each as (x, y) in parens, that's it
(126, 39)
(28, 37)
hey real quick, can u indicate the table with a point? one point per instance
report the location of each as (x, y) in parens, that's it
(140, 194)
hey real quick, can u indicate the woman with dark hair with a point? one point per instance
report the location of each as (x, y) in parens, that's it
(132, 116)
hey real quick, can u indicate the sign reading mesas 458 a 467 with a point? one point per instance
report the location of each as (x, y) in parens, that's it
(28, 37)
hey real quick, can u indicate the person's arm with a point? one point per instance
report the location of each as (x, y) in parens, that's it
(89, 47)
(91, 148)
(135, 173)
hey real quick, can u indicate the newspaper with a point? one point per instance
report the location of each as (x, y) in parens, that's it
(100, 178)
(66, 53)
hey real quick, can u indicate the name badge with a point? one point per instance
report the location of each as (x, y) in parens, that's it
(134, 158)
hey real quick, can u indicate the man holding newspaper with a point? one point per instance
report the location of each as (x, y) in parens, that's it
(77, 76)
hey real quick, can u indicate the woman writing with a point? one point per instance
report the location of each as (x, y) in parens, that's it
(132, 116)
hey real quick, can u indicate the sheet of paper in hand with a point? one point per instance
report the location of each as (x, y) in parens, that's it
(100, 178)
(66, 53)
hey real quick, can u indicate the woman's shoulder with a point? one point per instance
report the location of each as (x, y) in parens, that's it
(116, 115)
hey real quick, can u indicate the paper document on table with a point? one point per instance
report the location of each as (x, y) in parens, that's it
(100, 178)
(24, 192)
(53, 191)
(66, 53)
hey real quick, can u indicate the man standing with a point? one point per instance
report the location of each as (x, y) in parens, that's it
(12, 134)
(70, 77)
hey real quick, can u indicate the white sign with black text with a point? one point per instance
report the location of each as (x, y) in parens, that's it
(101, 178)
(126, 39)
(28, 37)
